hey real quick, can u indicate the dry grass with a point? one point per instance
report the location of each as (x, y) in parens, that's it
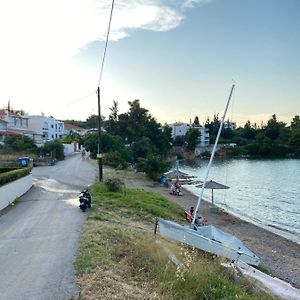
(103, 284)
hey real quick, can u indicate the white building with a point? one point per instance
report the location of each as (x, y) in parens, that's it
(229, 125)
(46, 128)
(180, 129)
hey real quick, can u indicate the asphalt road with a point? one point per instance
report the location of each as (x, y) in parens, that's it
(39, 235)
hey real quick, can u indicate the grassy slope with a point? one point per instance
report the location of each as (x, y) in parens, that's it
(119, 257)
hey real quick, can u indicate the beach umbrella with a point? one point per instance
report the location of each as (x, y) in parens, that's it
(177, 174)
(213, 185)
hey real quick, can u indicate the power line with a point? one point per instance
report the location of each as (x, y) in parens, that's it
(106, 43)
(81, 98)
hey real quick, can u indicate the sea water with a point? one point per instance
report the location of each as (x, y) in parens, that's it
(264, 192)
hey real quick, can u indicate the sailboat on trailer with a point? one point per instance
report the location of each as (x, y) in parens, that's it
(208, 237)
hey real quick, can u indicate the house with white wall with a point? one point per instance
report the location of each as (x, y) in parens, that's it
(180, 129)
(46, 128)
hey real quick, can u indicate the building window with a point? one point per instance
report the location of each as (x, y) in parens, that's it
(52, 126)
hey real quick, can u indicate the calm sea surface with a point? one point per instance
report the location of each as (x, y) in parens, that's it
(265, 192)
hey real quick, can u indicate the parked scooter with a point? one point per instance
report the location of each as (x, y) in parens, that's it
(85, 200)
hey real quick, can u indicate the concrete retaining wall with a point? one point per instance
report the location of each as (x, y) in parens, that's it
(9, 192)
(70, 149)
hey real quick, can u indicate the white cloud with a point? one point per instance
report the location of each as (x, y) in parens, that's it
(61, 27)
(38, 37)
(192, 3)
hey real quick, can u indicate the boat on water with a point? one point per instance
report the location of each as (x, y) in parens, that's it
(208, 237)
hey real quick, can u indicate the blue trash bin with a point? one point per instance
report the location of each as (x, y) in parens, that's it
(24, 161)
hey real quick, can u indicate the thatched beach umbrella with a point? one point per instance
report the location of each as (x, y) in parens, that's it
(177, 174)
(213, 185)
(182, 177)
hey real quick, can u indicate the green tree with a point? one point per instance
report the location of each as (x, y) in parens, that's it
(213, 127)
(153, 166)
(20, 143)
(113, 118)
(248, 132)
(295, 138)
(196, 121)
(110, 143)
(262, 146)
(192, 139)
(92, 121)
(142, 148)
(295, 122)
(273, 127)
(90, 142)
(54, 148)
(114, 159)
(179, 140)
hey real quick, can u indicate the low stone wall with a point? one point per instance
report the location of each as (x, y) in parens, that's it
(9, 192)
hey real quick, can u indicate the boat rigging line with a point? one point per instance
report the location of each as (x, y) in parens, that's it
(212, 157)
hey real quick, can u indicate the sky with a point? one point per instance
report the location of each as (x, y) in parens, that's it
(179, 57)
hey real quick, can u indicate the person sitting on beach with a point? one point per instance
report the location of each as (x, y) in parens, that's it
(178, 188)
(172, 189)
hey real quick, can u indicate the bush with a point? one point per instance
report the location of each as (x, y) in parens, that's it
(114, 184)
(153, 166)
(13, 175)
(6, 169)
(114, 159)
(56, 147)
(20, 143)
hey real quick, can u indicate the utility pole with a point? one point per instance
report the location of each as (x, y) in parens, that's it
(99, 155)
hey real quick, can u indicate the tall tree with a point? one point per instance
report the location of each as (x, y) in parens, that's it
(192, 139)
(273, 127)
(113, 118)
(196, 121)
(92, 121)
(295, 122)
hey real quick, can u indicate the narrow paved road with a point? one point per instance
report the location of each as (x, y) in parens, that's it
(39, 236)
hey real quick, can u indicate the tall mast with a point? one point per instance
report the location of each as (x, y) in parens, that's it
(212, 156)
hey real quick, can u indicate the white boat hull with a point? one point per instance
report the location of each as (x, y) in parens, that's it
(209, 239)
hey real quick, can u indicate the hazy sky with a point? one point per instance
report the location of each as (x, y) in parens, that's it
(177, 57)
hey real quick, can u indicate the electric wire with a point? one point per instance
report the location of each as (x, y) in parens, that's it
(81, 98)
(106, 43)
